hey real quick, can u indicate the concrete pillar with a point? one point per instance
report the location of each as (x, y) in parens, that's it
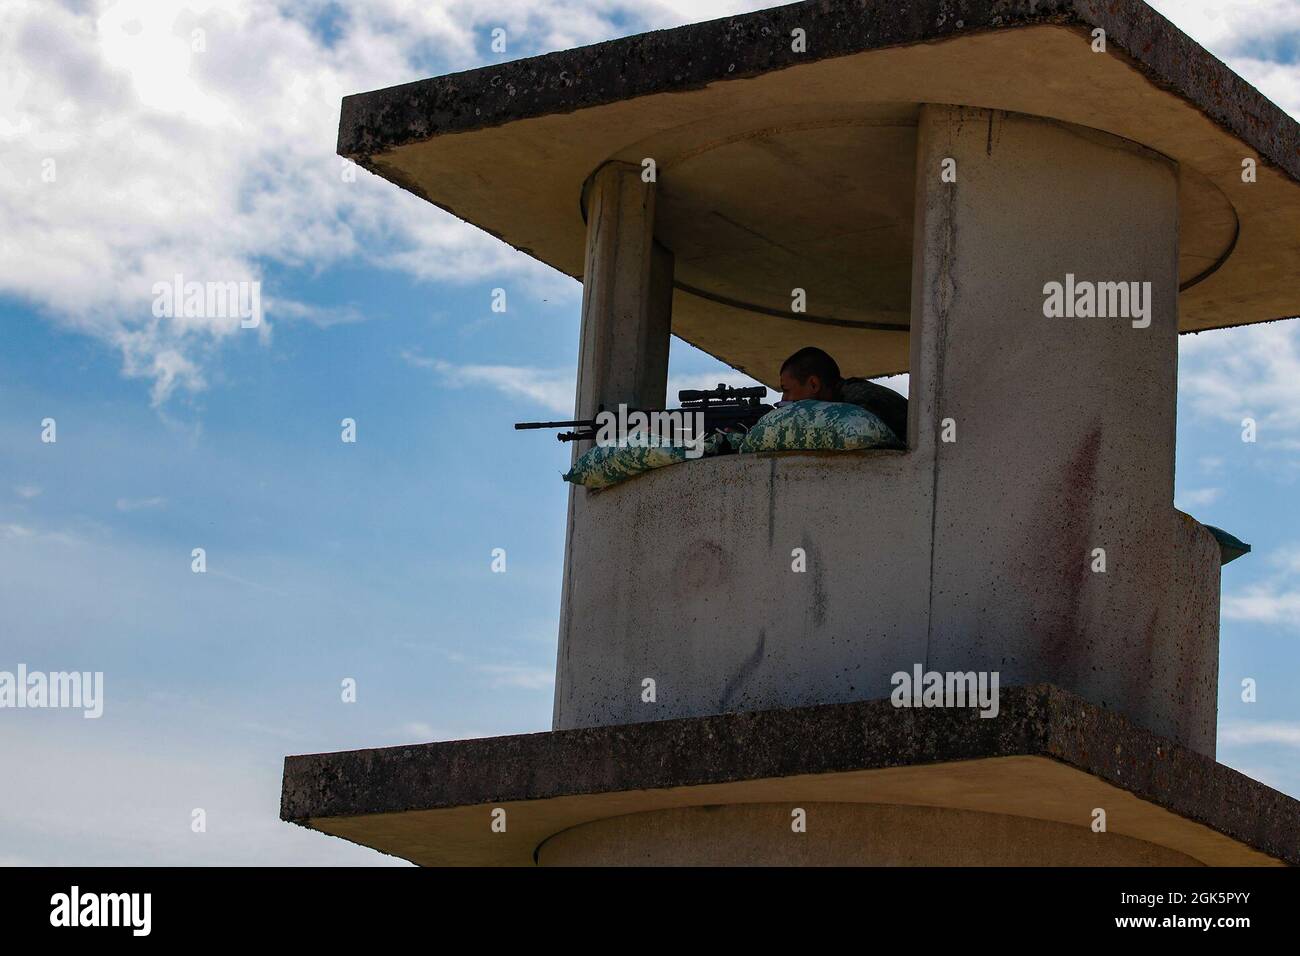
(627, 290)
(627, 297)
(1058, 555)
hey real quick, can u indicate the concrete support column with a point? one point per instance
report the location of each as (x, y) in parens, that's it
(1058, 555)
(627, 300)
(627, 290)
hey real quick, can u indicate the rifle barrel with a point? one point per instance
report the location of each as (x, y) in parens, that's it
(574, 424)
(715, 414)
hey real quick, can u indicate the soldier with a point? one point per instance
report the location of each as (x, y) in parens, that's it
(811, 373)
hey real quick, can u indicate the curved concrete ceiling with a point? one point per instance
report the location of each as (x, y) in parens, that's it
(757, 204)
(780, 176)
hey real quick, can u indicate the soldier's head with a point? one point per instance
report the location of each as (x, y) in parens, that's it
(809, 373)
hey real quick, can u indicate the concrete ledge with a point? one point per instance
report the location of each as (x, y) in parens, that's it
(1049, 755)
(695, 55)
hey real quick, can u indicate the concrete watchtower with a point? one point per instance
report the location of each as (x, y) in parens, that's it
(1020, 204)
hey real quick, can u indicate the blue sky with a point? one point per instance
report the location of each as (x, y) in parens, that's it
(370, 560)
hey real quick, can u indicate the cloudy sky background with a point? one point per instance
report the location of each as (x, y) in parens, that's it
(371, 560)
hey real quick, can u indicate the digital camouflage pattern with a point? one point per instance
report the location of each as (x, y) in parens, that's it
(810, 425)
(800, 426)
(600, 467)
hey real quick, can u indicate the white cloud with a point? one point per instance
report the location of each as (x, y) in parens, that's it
(550, 388)
(1216, 22)
(899, 383)
(129, 155)
(1250, 372)
(1197, 498)
(122, 794)
(519, 675)
(1275, 600)
(554, 388)
(1280, 82)
(1288, 559)
(218, 162)
(321, 316)
(1262, 603)
(27, 491)
(1250, 732)
(1253, 371)
(507, 675)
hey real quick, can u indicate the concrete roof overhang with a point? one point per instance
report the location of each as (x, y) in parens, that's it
(1048, 755)
(780, 169)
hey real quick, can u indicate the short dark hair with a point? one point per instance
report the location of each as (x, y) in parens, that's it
(813, 361)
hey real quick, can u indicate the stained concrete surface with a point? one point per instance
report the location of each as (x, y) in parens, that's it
(969, 555)
(1048, 756)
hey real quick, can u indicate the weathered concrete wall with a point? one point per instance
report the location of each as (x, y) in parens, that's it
(684, 575)
(1064, 427)
(974, 554)
(843, 834)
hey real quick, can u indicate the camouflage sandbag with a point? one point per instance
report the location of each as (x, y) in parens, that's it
(600, 467)
(810, 425)
(885, 403)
